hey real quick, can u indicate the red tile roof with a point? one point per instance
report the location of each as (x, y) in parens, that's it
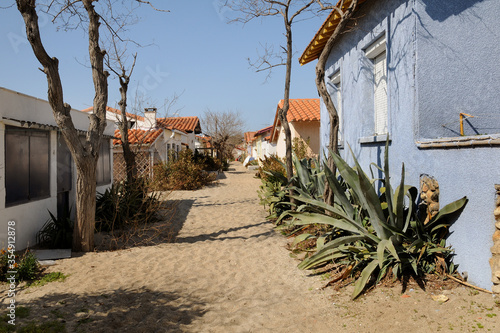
(138, 136)
(206, 140)
(303, 109)
(264, 130)
(187, 124)
(116, 111)
(306, 109)
(249, 136)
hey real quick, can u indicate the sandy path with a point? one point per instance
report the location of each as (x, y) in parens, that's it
(230, 272)
(227, 272)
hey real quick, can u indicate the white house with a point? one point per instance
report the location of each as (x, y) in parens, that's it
(150, 146)
(304, 120)
(262, 143)
(37, 173)
(115, 115)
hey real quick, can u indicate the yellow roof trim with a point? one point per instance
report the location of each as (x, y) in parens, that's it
(316, 45)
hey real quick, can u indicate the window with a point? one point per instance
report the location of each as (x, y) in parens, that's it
(337, 98)
(27, 165)
(377, 54)
(64, 165)
(103, 164)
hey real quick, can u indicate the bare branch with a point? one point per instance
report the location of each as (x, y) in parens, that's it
(268, 60)
(289, 10)
(300, 10)
(225, 128)
(62, 10)
(151, 5)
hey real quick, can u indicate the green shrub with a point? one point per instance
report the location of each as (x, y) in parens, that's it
(207, 162)
(126, 204)
(26, 266)
(182, 173)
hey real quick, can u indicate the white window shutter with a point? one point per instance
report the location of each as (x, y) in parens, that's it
(380, 93)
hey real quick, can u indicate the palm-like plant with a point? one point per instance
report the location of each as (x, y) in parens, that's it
(374, 233)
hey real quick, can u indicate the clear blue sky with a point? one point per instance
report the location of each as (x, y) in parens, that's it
(194, 53)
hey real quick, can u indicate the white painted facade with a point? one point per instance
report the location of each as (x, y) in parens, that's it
(305, 130)
(21, 111)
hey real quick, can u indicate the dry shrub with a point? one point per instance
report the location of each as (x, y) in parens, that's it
(163, 230)
(182, 173)
(272, 164)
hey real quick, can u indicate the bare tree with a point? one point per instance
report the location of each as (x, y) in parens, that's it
(344, 11)
(289, 10)
(85, 152)
(225, 128)
(115, 61)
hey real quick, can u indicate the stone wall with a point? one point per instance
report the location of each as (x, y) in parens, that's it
(495, 250)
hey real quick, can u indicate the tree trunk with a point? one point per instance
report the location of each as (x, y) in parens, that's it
(128, 154)
(85, 153)
(282, 113)
(334, 127)
(83, 233)
(325, 96)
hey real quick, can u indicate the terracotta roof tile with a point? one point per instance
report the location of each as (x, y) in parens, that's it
(249, 136)
(317, 44)
(264, 130)
(186, 124)
(116, 111)
(302, 109)
(306, 109)
(206, 140)
(138, 136)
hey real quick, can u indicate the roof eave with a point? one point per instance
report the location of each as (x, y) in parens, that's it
(316, 45)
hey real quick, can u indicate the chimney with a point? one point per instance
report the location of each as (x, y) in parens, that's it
(150, 117)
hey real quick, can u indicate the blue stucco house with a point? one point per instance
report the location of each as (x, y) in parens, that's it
(426, 74)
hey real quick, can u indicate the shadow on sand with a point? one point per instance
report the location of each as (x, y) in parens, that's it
(140, 310)
(215, 235)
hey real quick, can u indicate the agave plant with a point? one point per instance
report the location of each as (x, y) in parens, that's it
(375, 232)
(309, 177)
(273, 196)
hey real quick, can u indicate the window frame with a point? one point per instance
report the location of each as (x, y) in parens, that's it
(376, 52)
(36, 172)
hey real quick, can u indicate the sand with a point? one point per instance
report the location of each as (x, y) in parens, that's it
(229, 271)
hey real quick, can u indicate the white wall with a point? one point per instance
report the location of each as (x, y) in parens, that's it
(30, 217)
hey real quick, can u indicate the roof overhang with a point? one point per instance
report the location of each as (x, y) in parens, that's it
(40, 126)
(317, 44)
